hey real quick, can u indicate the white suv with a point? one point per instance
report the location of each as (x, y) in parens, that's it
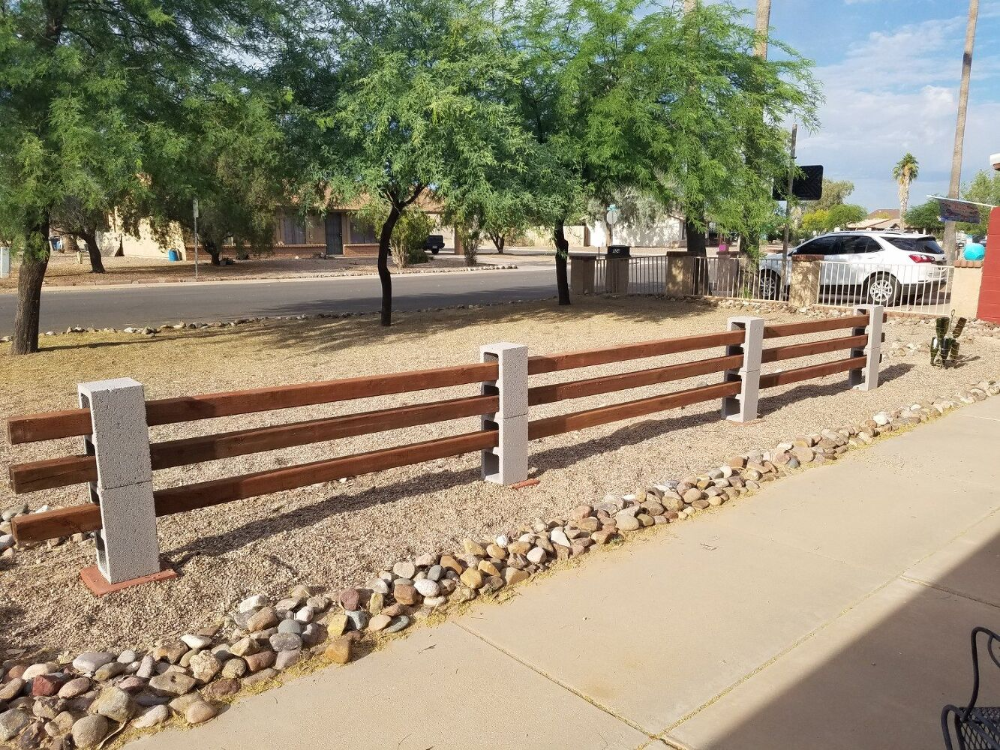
(879, 267)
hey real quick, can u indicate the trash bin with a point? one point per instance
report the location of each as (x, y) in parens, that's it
(619, 251)
(173, 255)
(4, 262)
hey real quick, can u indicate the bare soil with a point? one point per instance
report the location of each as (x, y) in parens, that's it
(341, 534)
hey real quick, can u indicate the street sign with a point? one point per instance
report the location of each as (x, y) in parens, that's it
(807, 186)
(956, 210)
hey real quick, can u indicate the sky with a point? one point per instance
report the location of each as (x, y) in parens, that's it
(890, 73)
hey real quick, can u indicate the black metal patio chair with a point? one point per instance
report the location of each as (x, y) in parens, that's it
(974, 727)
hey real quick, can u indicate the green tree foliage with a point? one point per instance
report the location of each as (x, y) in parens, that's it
(835, 192)
(815, 221)
(417, 102)
(837, 216)
(626, 95)
(85, 89)
(984, 188)
(225, 149)
(926, 216)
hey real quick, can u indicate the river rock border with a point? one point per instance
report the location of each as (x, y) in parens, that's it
(84, 700)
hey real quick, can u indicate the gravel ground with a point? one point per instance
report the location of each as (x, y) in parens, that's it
(338, 534)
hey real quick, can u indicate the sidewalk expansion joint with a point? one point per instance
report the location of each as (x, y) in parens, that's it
(951, 591)
(560, 683)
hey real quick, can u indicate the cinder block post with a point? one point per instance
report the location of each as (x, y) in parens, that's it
(743, 407)
(126, 544)
(866, 379)
(508, 462)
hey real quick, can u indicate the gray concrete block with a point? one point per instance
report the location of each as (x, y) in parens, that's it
(120, 436)
(508, 462)
(126, 545)
(743, 406)
(866, 379)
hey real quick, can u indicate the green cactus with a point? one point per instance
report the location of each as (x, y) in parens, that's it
(945, 347)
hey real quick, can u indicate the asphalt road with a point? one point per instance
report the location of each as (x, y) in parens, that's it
(156, 304)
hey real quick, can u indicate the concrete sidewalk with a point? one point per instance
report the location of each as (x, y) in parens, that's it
(832, 610)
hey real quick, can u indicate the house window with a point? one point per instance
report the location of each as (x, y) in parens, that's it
(293, 231)
(362, 234)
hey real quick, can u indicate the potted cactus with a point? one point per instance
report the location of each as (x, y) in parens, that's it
(945, 346)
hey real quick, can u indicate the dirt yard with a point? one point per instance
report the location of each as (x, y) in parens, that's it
(343, 533)
(63, 270)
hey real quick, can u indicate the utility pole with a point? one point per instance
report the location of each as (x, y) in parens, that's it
(788, 199)
(195, 210)
(950, 243)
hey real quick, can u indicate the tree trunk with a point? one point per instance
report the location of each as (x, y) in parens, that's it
(94, 251)
(950, 240)
(383, 265)
(763, 23)
(29, 291)
(562, 257)
(695, 239)
(499, 241)
(212, 248)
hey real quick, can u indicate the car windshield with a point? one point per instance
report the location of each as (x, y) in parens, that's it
(927, 245)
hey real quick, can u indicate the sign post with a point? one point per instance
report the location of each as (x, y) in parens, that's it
(195, 210)
(788, 199)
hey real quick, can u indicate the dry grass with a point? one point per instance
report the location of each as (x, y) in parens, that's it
(337, 534)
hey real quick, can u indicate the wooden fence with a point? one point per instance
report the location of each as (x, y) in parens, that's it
(503, 428)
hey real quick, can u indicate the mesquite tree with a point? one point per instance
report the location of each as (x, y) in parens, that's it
(86, 87)
(415, 106)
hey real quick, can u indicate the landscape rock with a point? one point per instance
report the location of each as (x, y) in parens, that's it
(114, 703)
(12, 722)
(89, 731)
(199, 712)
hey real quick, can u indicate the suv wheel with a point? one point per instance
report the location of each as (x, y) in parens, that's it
(882, 289)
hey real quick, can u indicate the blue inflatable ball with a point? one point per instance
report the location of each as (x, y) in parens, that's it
(974, 251)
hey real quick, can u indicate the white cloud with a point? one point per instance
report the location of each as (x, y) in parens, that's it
(897, 92)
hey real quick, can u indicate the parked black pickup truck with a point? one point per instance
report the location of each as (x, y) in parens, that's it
(434, 243)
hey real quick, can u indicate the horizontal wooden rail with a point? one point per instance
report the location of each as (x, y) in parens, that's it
(76, 422)
(591, 357)
(546, 394)
(793, 351)
(815, 326)
(38, 527)
(59, 472)
(557, 425)
(812, 371)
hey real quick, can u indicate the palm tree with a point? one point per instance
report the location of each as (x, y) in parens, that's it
(950, 247)
(763, 24)
(905, 172)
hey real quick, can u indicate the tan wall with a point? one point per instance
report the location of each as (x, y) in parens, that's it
(145, 245)
(965, 288)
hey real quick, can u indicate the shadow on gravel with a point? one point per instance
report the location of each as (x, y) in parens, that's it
(335, 334)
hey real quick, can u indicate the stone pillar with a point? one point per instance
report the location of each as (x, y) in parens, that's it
(743, 407)
(866, 379)
(126, 544)
(680, 275)
(508, 462)
(616, 278)
(804, 289)
(582, 272)
(965, 287)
